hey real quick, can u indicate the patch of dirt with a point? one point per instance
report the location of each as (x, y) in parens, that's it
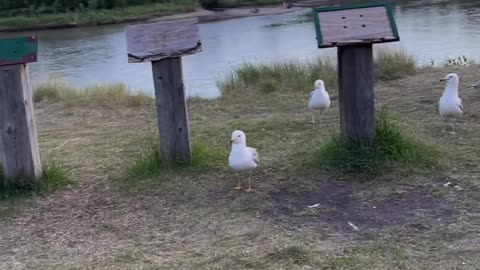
(336, 204)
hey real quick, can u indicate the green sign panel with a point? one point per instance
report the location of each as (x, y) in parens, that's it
(18, 50)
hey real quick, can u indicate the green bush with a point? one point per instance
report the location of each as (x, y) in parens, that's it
(209, 3)
(31, 7)
(391, 149)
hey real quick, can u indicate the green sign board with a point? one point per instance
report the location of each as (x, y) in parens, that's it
(18, 50)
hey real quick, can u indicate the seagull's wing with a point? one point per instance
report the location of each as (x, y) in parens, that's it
(460, 105)
(475, 85)
(255, 156)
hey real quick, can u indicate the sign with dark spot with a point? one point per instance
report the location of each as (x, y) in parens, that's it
(366, 23)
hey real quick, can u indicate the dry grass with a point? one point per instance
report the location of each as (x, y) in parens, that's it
(55, 90)
(394, 64)
(194, 220)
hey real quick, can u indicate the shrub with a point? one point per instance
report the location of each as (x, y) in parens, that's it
(391, 149)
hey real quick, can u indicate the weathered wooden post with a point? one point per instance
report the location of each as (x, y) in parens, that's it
(164, 44)
(19, 155)
(353, 30)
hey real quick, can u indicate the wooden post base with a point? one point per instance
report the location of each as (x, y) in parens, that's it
(171, 110)
(19, 155)
(356, 93)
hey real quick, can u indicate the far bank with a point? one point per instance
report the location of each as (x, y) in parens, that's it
(145, 13)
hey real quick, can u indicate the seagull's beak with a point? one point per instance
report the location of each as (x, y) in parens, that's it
(444, 80)
(232, 141)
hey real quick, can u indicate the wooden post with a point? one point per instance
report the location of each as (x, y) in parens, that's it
(163, 44)
(171, 109)
(353, 29)
(19, 155)
(355, 91)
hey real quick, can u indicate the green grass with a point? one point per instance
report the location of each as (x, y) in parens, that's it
(56, 90)
(204, 158)
(392, 149)
(53, 176)
(300, 76)
(291, 76)
(97, 17)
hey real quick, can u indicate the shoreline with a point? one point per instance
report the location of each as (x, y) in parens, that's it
(202, 14)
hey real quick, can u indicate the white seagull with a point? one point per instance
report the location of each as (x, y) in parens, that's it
(450, 105)
(242, 158)
(319, 99)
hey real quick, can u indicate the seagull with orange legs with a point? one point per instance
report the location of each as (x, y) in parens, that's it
(242, 158)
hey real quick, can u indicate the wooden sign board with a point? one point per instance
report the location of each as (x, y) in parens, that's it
(365, 23)
(157, 41)
(18, 50)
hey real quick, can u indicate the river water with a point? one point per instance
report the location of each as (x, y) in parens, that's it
(429, 30)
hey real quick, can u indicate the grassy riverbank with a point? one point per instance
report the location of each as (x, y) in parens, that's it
(124, 213)
(44, 16)
(86, 17)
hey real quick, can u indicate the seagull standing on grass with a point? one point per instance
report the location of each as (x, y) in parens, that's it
(242, 158)
(450, 104)
(319, 99)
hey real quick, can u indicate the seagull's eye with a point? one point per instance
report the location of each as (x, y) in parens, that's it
(239, 136)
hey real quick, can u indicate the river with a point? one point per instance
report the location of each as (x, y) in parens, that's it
(429, 30)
